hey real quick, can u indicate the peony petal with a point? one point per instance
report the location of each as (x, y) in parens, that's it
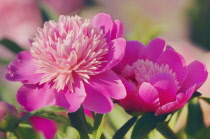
(104, 22)
(175, 62)
(45, 126)
(97, 102)
(166, 86)
(154, 49)
(71, 100)
(117, 30)
(149, 94)
(33, 97)
(134, 50)
(181, 100)
(23, 69)
(108, 84)
(197, 75)
(115, 54)
(134, 101)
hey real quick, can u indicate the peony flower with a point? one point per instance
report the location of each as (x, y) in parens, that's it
(69, 65)
(8, 116)
(157, 80)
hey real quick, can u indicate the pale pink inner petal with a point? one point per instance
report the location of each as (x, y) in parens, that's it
(71, 47)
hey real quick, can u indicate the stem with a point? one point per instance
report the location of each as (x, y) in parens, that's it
(166, 131)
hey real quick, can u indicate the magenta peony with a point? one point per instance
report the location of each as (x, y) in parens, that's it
(69, 65)
(157, 80)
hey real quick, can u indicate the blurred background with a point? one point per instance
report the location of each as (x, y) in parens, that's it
(184, 24)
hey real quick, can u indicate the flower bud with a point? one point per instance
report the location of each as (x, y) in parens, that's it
(8, 116)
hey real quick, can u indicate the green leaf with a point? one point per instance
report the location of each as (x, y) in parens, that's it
(98, 126)
(195, 118)
(11, 45)
(79, 122)
(204, 133)
(124, 129)
(48, 112)
(69, 133)
(206, 99)
(166, 131)
(145, 124)
(196, 94)
(4, 62)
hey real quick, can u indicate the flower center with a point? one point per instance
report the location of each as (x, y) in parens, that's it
(142, 71)
(71, 46)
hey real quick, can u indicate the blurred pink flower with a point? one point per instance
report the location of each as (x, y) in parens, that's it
(156, 80)
(17, 22)
(64, 7)
(8, 116)
(70, 63)
(47, 127)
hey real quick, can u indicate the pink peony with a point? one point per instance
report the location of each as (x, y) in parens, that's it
(157, 81)
(69, 65)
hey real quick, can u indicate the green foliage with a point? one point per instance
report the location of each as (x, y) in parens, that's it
(145, 31)
(12, 46)
(48, 112)
(98, 126)
(199, 20)
(145, 124)
(79, 122)
(124, 129)
(195, 118)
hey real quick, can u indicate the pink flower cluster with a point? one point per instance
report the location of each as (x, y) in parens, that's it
(76, 62)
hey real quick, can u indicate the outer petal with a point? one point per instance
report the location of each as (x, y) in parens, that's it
(134, 100)
(166, 86)
(197, 75)
(115, 54)
(71, 100)
(180, 101)
(175, 62)
(117, 30)
(23, 69)
(46, 126)
(97, 102)
(154, 49)
(134, 50)
(103, 21)
(108, 84)
(33, 97)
